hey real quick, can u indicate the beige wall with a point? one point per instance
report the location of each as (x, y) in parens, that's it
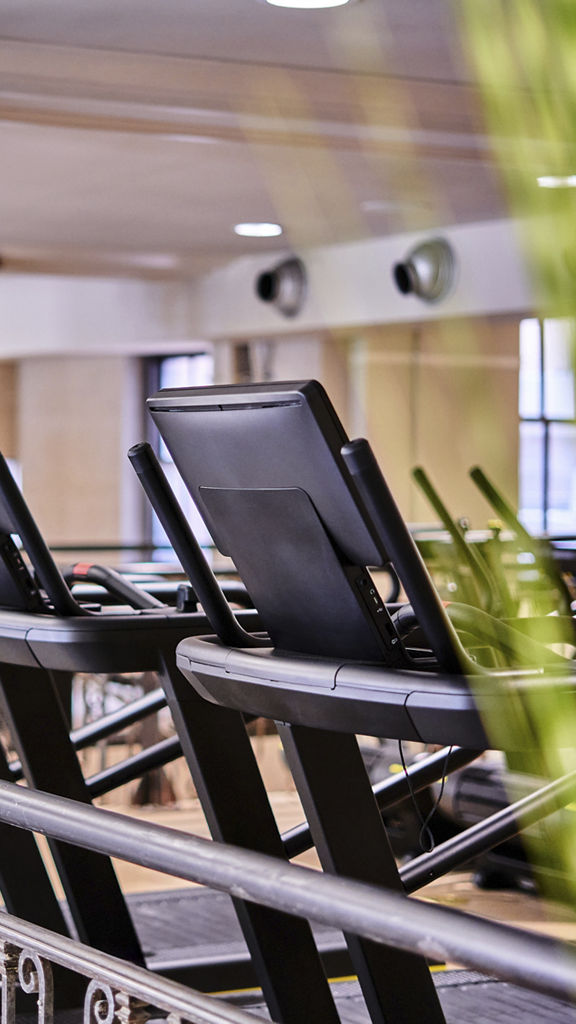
(8, 409)
(70, 421)
(444, 396)
(319, 356)
(440, 395)
(76, 420)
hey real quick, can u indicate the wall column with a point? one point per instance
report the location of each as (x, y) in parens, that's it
(77, 418)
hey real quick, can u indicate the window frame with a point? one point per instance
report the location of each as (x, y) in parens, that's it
(546, 421)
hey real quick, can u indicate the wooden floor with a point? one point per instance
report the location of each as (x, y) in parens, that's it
(187, 816)
(457, 889)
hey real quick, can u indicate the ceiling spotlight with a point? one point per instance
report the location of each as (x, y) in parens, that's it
(284, 286)
(258, 229)
(427, 271)
(309, 4)
(557, 181)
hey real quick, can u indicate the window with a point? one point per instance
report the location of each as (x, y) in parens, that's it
(179, 372)
(547, 470)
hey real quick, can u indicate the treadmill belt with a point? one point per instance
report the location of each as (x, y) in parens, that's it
(195, 920)
(181, 918)
(476, 999)
(467, 997)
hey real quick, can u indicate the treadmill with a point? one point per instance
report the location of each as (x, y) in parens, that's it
(301, 511)
(46, 634)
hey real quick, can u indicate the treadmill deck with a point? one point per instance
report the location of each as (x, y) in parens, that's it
(202, 921)
(466, 997)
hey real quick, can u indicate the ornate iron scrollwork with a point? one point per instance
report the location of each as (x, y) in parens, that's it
(104, 1005)
(99, 1006)
(27, 953)
(35, 975)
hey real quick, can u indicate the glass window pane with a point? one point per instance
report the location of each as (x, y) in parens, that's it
(559, 369)
(189, 509)
(531, 477)
(187, 371)
(562, 478)
(184, 372)
(180, 372)
(530, 369)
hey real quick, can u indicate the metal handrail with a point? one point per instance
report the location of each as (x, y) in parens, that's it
(533, 961)
(114, 983)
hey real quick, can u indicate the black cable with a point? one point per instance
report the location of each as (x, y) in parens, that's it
(425, 830)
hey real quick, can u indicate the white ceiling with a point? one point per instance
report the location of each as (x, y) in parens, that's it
(134, 134)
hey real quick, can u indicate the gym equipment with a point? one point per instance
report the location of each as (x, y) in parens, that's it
(300, 528)
(181, 934)
(45, 633)
(488, 592)
(493, 577)
(550, 577)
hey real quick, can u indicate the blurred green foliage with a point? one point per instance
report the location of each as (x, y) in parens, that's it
(523, 53)
(524, 56)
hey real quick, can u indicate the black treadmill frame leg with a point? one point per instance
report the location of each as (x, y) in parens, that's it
(24, 881)
(39, 731)
(329, 772)
(27, 891)
(228, 781)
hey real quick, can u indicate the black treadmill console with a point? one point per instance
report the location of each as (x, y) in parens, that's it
(40, 587)
(18, 588)
(263, 464)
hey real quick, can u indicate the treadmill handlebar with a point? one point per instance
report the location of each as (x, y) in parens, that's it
(22, 523)
(382, 509)
(113, 582)
(503, 509)
(188, 550)
(485, 585)
(539, 548)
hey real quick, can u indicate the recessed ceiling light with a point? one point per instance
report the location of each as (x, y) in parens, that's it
(258, 230)
(557, 181)
(309, 4)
